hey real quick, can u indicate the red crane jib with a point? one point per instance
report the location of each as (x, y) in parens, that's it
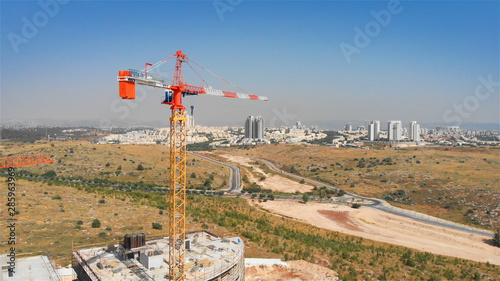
(24, 160)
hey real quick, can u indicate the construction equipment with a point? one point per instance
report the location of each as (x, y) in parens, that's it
(174, 92)
(24, 160)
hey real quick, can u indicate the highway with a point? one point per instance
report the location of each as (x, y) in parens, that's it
(234, 184)
(349, 198)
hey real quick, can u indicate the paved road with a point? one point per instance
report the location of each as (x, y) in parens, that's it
(379, 204)
(234, 184)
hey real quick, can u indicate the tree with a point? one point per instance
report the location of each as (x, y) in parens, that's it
(496, 240)
(245, 179)
(356, 206)
(193, 175)
(305, 197)
(96, 223)
(49, 174)
(302, 181)
(140, 167)
(157, 225)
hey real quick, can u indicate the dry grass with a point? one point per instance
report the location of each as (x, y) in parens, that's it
(445, 182)
(90, 161)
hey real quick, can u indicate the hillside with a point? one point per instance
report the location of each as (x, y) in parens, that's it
(50, 211)
(458, 184)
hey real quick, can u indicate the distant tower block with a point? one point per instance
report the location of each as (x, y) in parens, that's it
(371, 132)
(394, 130)
(414, 131)
(254, 128)
(191, 123)
(374, 130)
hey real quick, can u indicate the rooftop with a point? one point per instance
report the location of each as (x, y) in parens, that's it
(36, 268)
(207, 256)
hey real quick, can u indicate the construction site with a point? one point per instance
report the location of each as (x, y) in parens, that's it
(208, 257)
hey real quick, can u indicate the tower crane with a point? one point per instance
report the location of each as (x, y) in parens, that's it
(174, 92)
(24, 160)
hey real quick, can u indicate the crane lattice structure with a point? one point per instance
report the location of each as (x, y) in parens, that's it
(24, 160)
(174, 91)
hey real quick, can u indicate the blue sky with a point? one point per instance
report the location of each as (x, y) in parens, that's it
(421, 66)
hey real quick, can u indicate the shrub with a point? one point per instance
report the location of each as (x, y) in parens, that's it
(157, 225)
(49, 174)
(140, 167)
(57, 197)
(96, 223)
(356, 206)
(102, 201)
(102, 234)
(79, 222)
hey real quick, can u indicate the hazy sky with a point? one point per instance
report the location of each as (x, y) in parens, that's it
(317, 61)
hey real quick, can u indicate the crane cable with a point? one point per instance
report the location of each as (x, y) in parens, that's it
(217, 76)
(158, 63)
(197, 74)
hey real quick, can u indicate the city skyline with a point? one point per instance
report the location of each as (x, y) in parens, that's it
(413, 68)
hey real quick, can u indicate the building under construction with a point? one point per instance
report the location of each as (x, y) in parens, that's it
(208, 257)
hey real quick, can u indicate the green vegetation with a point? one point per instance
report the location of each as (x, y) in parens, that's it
(305, 197)
(330, 135)
(201, 146)
(465, 178)
(49, 174)
(157, 225)
(356, 205)
(96, 223)
(496, 240)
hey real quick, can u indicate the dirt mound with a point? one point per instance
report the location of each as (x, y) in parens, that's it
(342, 218)
(294, 271)
(377, 225)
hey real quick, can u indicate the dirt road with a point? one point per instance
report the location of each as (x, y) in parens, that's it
(380, 226)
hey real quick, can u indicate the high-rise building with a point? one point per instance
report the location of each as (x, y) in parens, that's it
(394, 130)
(191, 121)
(348, 127)
(414, 131)
(249, 127)
(376, 125)
(374, 130)
(258, 128)
(371, 132)
(254, 128)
